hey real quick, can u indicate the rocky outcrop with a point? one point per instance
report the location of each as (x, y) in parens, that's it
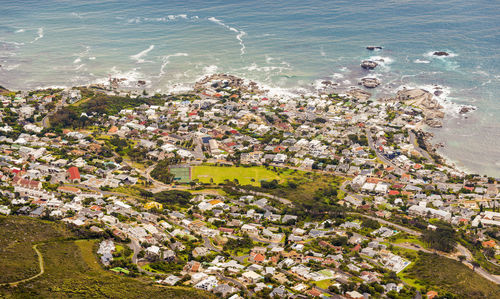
(141, 82)
(359, 94)
(216, 81)
(370, 82)
(425, 100)
(373, 48)
(441, 53)
(369, 64)
(466, 109)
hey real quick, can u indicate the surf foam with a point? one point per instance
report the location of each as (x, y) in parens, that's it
(40, 35)
(139, 56)
(239, 33)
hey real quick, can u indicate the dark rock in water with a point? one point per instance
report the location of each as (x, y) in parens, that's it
(141, 82)
(440, 53)
(437, 93)
(370, 82)
(368, 64)
(466, 109)
(373, 48)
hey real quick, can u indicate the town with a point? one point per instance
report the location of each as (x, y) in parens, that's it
(238, 192)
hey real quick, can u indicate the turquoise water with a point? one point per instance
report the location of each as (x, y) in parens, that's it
(285, 45)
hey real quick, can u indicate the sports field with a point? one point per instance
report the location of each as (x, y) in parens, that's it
(244, 175)
(181, 174)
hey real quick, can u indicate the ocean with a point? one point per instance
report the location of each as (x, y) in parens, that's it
(287, 46)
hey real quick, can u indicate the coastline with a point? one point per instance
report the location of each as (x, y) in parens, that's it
(422, 128)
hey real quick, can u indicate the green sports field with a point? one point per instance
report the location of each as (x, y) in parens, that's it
(181, 174)
(243, 174)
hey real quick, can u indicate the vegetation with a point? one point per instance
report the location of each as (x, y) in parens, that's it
(243, 175)
(161, 171)
(443, 238)
(71, 267)
(173, 198)
(18, 260)
(95, 103)
(440, 273)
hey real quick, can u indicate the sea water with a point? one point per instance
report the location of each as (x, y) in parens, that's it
(288, 46)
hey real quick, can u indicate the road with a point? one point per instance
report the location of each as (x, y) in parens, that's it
(40, 264)
(45, 120)
(382, 158)
(236, 282)
(388, 223)
(413, 140)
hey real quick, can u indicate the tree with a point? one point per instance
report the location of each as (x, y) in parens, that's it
(443, 238)
(489, 252)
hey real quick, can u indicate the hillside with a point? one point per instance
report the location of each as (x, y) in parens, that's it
(446, 275)
(71, 268)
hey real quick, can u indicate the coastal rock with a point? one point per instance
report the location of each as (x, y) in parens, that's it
(359, 94)
(373, 48)
(141, 82)
(224, 80)
(434, 123)
(418, 97)
(370, 82)
(440, 53)
(369, 64)
(425, 100)
(466, 109)
(438, 92)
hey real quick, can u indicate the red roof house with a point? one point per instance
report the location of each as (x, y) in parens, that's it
(73, 174)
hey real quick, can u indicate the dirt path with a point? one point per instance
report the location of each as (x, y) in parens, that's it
(41, 265)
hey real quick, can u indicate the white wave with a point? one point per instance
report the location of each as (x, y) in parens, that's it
(175, 17)
(78, 60)
(9, 67)
(337, 76)
(78, 67)
(74, 14)
(383, 61)
(255, 67)
(166, 61)
(178, 88)
(421, 61)
(20, 30)
(40, 35)
(322, 52)
(239, 33)
(168, 18)
(209, 70)
(92, 58)
(11, 43)
(134, 20)
(130, 77)
(139, 56)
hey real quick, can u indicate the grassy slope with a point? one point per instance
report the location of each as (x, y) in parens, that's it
(18, 260)
(308, 184)
(441, 273)
(243, 174)
(72, 270)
